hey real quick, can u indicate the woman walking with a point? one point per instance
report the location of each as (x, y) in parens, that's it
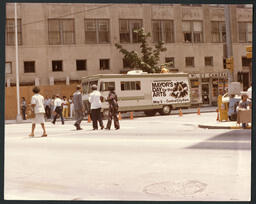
(113, 109)
(37, 104)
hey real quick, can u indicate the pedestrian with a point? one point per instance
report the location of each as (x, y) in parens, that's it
(58, 104)
(95, 99)
(78, 107)
(47, 106)
(71, 106)
(113, 109)
(244, 104)
(37, 104)
(249, 91)
(232, 106)
(65, 107)
(52, 106)
(23, 108)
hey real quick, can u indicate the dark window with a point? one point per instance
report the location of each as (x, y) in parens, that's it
(189, 61)
(192, 31)
(29, 67)
(218, 31)
(10, 32)
(126, 63)
(81, 65)
(245, 31)
(104, 64)
(61, 31)
(130, 85)
(127, 30)
(246, 62)
(57, 66)
(163, 30)
(208, 61)
(97, 31)
(169, 62)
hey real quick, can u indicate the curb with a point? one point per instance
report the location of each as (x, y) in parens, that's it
(222, 127)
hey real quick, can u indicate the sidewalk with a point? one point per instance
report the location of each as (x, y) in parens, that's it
(138, 114)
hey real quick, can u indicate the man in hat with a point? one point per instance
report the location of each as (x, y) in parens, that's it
(58, 103)
(78, 107)
(95, 99)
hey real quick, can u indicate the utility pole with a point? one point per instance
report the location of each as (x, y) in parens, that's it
(18, 118)
(228, 41)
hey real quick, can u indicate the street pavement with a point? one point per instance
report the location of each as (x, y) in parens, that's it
(150, 158)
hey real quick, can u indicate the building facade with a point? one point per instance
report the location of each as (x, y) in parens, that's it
(59, 43)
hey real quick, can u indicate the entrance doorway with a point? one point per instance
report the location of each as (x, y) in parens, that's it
(205, 94)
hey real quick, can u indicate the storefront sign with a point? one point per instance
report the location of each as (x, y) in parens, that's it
(170, 92)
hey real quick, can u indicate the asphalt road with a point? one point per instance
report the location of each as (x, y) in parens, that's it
(149, 158)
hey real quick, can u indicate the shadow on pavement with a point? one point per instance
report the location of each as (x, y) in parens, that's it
(232, 140)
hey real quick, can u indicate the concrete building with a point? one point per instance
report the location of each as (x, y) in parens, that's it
(59, 42)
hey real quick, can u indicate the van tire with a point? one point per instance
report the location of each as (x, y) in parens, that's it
(166, 110)
(150, 112)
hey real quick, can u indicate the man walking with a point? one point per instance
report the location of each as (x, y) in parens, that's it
(78, 107)
(95, 100)
(58, 109)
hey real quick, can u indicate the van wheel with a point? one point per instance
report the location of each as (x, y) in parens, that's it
(166, 110)
(150, 112)
(105, 114)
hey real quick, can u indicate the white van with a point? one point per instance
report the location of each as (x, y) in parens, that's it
(146, 92)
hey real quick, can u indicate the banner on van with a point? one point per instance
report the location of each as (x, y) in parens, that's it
(170, 91)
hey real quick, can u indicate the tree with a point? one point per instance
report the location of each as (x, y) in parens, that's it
(148, 59)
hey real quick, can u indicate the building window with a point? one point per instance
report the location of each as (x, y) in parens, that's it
(192, 31)
(29, 67)
(130, 85)
(189, 61)
(218, 31)
(127, 28)
(208, 61)
(104, 64)
(246, 62)
(81, 65)
(57, 66)
(163, 30)
(8, 68)
(245, 32)
(170, 62)
(97, 31)
(61, 31)
(10, 32)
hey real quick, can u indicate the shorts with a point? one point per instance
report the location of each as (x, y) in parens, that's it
(38, 119)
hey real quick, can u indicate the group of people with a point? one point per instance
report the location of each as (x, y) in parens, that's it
(41, 107)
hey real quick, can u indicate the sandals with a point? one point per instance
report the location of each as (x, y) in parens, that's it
(31, 135)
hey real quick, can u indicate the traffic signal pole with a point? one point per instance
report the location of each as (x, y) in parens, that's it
(228, 41)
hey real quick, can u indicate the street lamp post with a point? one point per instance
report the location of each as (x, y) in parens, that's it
(228, 41)
(18, 118)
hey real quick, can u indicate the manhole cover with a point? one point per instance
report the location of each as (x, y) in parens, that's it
(176, 188)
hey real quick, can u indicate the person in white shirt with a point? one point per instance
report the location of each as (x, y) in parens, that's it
(65, 107)
(71, 106)
(58, 103)
(37, 104)
(95, 101)
(249, 92)
(47, 104)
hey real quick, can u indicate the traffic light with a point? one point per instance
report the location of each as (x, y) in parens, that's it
(230, 63)
(249, 52)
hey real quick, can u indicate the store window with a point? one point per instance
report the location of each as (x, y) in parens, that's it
(218, 31)
(81, 65)
(104, 64)
(61, 31)
(208, 61)
(97, 31)
(245, 31)
(163, 30)
(127, 30)
(190, 62)
(29, 67)
(10, 32)
(8, 68)
(192, 31)
(130, 85)
(246, 62)
(57, 66)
